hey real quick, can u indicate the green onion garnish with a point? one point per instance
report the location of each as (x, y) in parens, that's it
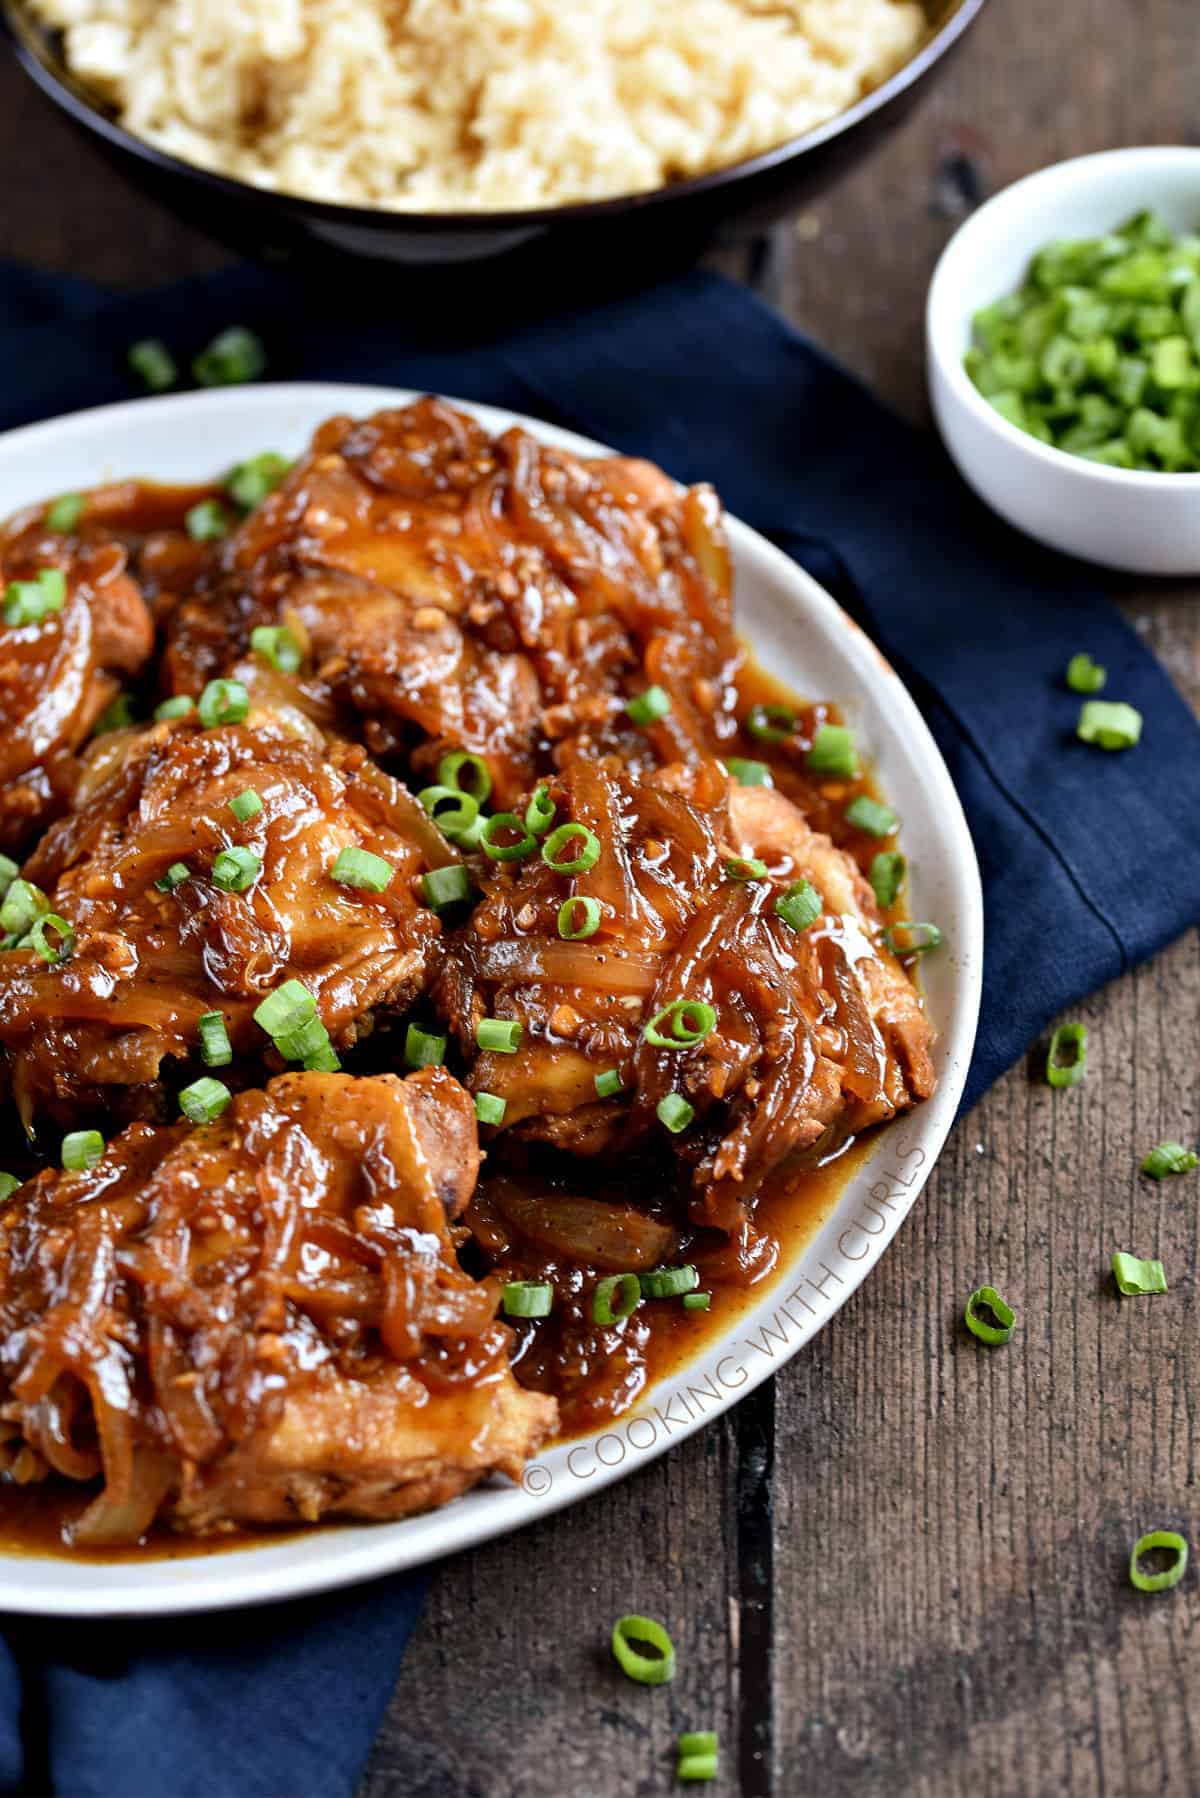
(868, 815)
(497, 841)
(657, 1669)
(697, 1755)
(527, 1298)
(51, 952)
(223, 702)
(771, 723)
(153, 363)
(277, 645)
(284, 1010)
(608, 1084)
(250, 482)
(1084, 675)
(322, 1061)
(680, 1025)
(833, 752)
(800, 906)
(215, 1048)
(489, 1108)
(1170, 1576)
(81, 1150)
(669, 1282)
(234, 355)
(360, 868)
(451, 810)
(1066, 1062)
(615, 1297)
(445, 886)
(585, 858)
(179, 707)
(745, 867)
(466, 774)
(204, 1100)
(8, 1185)
(1169, 1158)
(309, 1043)
(29, 602)
(8, 873)
(674, 1111)
(423, 1048)
(1109, 723)
(887, 876)
(574, 925)
(207, 521)
(236, 870)
(500, 1035)
(246, 805)
(650, 706)
(697, 1301)
(174, 877)
(539, 813)
(117, 715)
(23, 902)
(987, 1299)
(1136, 1277)
(748, 774)
(907, 938)
(66, 512)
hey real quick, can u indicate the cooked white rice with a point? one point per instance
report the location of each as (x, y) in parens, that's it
(431, 105)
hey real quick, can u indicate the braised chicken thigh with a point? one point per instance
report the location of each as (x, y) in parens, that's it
(262, 1320)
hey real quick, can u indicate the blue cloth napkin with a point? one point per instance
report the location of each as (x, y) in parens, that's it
(1091, 861)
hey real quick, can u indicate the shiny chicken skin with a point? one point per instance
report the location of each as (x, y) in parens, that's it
(456, 591)
(816, 1031)
(261, 1321)
(88, 1038)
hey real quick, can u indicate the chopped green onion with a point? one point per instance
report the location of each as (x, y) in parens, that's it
(23, 902)
(674, 1111)
(446, 886)
(216, 1051)
(309, 1043)
(800, 906)
(8, 873)
(771, 723)
(66, 938)
(452, 811)
(66, 512)
(236, 870)
(1169, 1158)
(986, 1298)
(29, 602)
(204, 1100)
(246, 805)
(697, 1301)
(466, 774)
(489, 1108)
(117, 715)
(745, 867)
(650, 706)
(629, 1633)
(907, 938)
(615, 1297)
(278, 646)
(207, 521)
(587, 856)
(833, 752)
(500, 1035)
(174, 877)
(698, 1741)
(179, 707)
(1136, 1277)
(492, 841)
(868, 815)
(81, 1150)
(322, 1061)
(539, 813)
(887, 877)
(697, 1755)
(360, 868)
(153, 363)
(680, 1025)
(1084, 675)
(748, 774)
(223, 702)
(609, 1084)
(1066, 1062)
(669, 1282)
(527, 1298)
(250, 482)
(573, 931)
(423, 1048)
(234, 356)
(284, 1010)
(1109, 724)
(1171, 1575)
(8, 1185)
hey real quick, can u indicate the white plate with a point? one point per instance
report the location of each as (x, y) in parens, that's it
(800, 634)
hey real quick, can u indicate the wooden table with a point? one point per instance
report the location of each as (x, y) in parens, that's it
(899, 1572)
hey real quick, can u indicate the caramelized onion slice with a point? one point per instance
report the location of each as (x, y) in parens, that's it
(590, 1230)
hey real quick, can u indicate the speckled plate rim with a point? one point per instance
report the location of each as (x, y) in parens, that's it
(799, 633)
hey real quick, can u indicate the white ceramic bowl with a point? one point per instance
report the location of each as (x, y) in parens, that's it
(1124, 518)
(799, 634)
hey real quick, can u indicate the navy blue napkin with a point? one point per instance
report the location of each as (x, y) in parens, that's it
(1091, 861)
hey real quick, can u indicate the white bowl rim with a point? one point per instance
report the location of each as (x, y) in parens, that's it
(941, 287)
(323, 1559)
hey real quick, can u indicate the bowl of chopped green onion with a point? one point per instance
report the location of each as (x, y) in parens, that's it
(1063, 344)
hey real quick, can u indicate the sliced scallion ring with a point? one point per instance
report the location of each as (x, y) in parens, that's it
(1109, 724)
(81, 1150)
(771, 723)
(215, 1048)
(987, 1299)
(204, 1100)
(527, 1298)
(539, 813)
(669, 1282)
(650, 706)
(446, 886)
(501, 1036)
(1066, 1062)
(362, 869)
(52, 952)
(745, 867)
(867, 814)
(680, 1025)
(616, 1296)
(674, 1112)
(631, 1636)
(748, 774)
(466, 773)
(556, 843)
(1169, 1158)
(578, 918)
(1175, 1544)
(1084, 675)
(800, 906)
(223, 702)
(609, 1084)
(490, 1108)
(423, 1048)
(278, 646)
(908, 938)
(833, 752)
(504, 838)
(887, 877)
(452, 810)
(1137, 1278)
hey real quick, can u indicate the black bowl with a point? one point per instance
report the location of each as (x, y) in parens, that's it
(671, 223)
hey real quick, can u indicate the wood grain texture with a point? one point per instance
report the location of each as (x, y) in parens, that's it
(901, 1570)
